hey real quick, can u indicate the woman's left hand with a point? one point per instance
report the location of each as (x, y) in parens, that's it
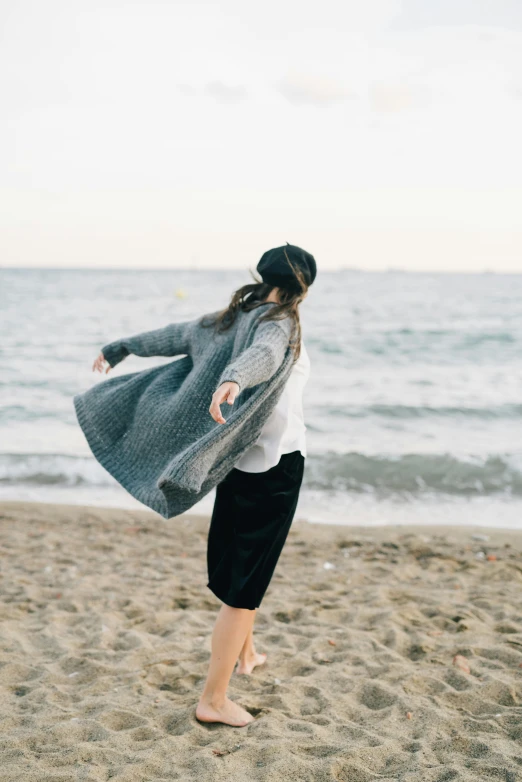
(226, 391)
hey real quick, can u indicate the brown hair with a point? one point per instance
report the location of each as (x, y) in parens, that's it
(252, 295)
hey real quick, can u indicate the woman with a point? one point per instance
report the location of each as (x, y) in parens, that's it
(256, 460)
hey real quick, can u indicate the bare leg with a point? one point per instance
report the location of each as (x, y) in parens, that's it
(228, 638)
(248, 657)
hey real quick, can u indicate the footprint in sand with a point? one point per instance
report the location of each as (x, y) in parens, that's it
(375, 697)
(122, 720)
(314, 702)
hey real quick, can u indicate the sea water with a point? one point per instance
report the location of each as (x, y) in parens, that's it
(413, 407)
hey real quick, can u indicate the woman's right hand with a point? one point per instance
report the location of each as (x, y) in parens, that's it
(226, 391)
(99, 362)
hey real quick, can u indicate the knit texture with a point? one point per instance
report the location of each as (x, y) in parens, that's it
(152, 430)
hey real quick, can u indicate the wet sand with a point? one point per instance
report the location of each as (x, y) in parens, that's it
(393, 653)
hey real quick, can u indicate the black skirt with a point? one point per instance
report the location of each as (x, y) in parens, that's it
(252, 514)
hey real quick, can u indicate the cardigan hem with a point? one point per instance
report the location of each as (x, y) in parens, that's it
(109, 463)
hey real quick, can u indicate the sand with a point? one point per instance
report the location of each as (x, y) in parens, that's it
(105, 637)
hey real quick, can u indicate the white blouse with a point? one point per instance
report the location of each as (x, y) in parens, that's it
(284, 431)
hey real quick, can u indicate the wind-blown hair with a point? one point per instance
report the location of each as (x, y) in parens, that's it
(252, 295)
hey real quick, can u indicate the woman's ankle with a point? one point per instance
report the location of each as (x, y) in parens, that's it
(214, 699)
(247, 654)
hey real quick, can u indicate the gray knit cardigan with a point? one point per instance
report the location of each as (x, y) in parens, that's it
(152, 430)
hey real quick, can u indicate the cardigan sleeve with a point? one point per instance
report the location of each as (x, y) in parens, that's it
(171, 340)
(262, 359)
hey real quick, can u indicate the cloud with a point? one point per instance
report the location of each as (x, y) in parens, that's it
(394, 98)
(223, 93)
(301, 89)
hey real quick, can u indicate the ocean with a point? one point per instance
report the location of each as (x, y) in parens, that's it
(413, 407)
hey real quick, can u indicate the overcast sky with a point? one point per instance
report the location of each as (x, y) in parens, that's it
(374, 133)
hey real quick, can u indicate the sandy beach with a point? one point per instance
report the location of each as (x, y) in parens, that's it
(394, 653)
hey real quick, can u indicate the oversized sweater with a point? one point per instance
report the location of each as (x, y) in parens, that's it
(152, 430)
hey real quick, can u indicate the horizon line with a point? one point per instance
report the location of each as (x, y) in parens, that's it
(355, 269)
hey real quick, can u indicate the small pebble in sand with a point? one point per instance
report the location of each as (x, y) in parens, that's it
(332, 643)
(483, 538)
(480, 555)
(277, 681)
(328, 566)
(408, 715)
(461, 662)
(491, 557)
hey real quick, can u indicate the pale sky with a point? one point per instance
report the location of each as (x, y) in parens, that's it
(374, 133)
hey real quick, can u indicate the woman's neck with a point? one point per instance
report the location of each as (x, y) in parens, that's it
(273, 296)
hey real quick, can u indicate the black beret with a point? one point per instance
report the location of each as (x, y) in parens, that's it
(275, 269)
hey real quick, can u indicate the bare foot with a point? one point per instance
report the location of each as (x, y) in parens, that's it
(248, 665)
(229, 713)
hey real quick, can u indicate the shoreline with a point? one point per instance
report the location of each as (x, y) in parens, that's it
(459, 534)
(312, 516)
(394, 652)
